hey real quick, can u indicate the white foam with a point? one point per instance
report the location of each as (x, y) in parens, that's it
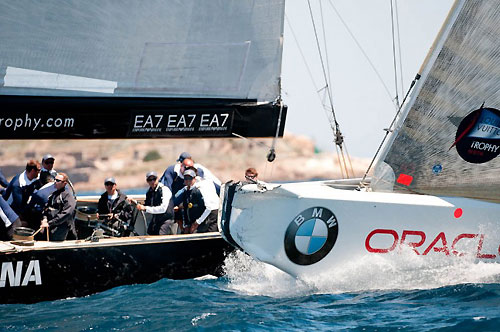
(404, 271)
(195, 320)
(206, 277)
(251, 277)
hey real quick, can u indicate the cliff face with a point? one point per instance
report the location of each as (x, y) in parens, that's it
(89, 162)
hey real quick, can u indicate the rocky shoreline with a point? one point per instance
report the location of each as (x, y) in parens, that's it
(89, 162)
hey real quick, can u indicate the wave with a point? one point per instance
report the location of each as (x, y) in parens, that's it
(369, 273)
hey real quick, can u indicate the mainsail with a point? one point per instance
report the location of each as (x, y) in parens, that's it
(161, 68)
(447, 140)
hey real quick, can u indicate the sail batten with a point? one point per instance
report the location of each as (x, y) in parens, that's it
(447, 141)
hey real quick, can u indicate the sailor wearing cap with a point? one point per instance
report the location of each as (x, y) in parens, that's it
(48, 170)
(114, 207)
(200, 203)
(160, 205)
(173, 176)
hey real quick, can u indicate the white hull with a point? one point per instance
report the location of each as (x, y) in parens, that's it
(350, 225)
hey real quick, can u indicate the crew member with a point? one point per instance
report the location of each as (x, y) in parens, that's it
(3, 182)
(159, 203)
(114, 206)
(200, 203)
(32, 214)
(48, 170)
(60, 210)
(19, 190)
(173, 171)
(251, 174)
(9, 221)
(173, 176)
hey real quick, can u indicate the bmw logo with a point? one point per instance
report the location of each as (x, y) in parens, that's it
(311, 235)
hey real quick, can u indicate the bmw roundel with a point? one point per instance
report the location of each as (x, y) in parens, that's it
(311, 235)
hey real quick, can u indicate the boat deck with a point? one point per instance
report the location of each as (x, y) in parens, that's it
(22, 246)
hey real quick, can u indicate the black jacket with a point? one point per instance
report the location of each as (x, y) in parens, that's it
(60, 208)
(120, 206)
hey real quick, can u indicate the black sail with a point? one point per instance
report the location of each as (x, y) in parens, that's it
(132, 69)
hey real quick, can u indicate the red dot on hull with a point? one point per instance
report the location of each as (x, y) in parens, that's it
(458, 213)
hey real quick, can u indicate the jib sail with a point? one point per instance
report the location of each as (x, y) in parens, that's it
(447, 141)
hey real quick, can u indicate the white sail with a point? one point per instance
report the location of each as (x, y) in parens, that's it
(219, 49)
(448, 139)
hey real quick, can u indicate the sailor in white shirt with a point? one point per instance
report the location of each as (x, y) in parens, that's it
(173, 176)
(200, 203)
(160, 205)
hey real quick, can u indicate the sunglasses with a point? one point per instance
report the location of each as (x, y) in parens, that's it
(109, 184)
(187, 178)
(57, 180)
(48, 162)
(151, 179)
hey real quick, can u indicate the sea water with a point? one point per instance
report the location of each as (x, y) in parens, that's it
(371, 295)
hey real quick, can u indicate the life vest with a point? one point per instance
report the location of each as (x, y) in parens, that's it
(194, 206)
(155, 198)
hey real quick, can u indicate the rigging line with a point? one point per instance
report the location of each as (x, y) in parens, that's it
(338, 160)
(339, 140)
(328, 114)
(322, 64)
(394, 56)
(401, 76)
(325, 46)
(302, 55)
(343, 160)
(272, 151)
(349, 159)
(251, 140)
(266, 177)
(390, 129)
(364, 54)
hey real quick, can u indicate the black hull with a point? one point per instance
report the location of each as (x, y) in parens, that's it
(86, 268)
(90, 118)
